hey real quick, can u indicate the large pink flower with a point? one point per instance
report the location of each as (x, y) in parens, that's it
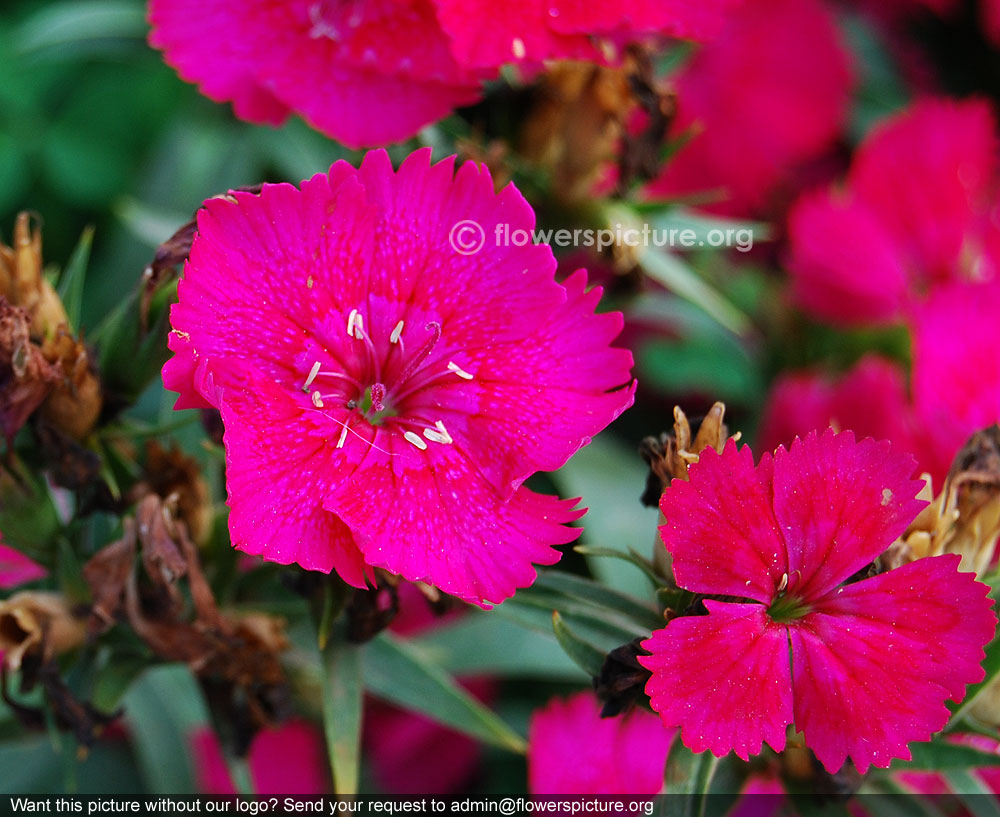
(916, 211)
(384, 395)
(373, 71)
(770, 93)
(872, 662)
(573, 750)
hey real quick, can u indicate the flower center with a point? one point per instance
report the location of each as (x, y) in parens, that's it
(787, 608)
(381, 382)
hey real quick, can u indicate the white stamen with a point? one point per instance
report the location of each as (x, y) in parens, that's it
(394, 337)
(350, 322)
(312, 376)
(518, 49)
(784, 582)
(317, 399)
(309, 282)
(359, 327)
(413, 439)
(439, 436)
(343, 437)
(454, 367)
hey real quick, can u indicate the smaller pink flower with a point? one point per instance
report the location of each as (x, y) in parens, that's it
(286, 759)
(769, 94)
(871, 662)
(573, 750)
(16, 568)
(916, 210)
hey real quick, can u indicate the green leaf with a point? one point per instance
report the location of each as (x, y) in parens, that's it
(674, 274)
(162, 708)
(605, 626)
(628, 555)
(600, 596)
(343, 697)
(71, 280)
(991, 664)
(492, 644)
(942, 755)
(403, 674)
(610, 476)
(588, 657)
(687, 780)
(58, 26)
(69, 573)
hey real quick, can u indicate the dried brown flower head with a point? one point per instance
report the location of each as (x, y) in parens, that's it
(26, 377)
(22, 281)
(75, 404)
(37, 624)
(670, 454)
(964, 518)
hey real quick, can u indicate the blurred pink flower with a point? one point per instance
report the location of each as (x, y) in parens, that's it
(16, 568)
(871, 399)
(573, 750)
(956, 366)
(367, 73)
(785, 536)
(770, 93)
(917, 210)
(287, 759)
(384, 395)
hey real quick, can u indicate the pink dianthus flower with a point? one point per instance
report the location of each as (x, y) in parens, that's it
(768, 94)
(861, 668)
(916, 212)
(372, 72)
(384, 395)
(573, 750)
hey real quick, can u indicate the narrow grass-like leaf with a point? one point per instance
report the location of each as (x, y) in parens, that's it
(71, 280)
(600, 596)
(403, 674)
(589, 658)
(343, 698)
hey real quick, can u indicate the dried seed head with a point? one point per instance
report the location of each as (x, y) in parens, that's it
(38, 624)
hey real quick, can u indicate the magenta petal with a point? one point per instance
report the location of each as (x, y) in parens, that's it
(16, 568)
(840, 503)
(846, 267)
(573, 750)
(720, 529)
(875, 663)
(280, 462)
(430, 516)
(213, 43)
(723, 678)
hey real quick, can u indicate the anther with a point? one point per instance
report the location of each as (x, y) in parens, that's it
(350, 322)
(441, 435)
(343, 437)
(454, 367)
(317, 399)
(394, 337)
(312, 376)
(518, 49)
(413, 439)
